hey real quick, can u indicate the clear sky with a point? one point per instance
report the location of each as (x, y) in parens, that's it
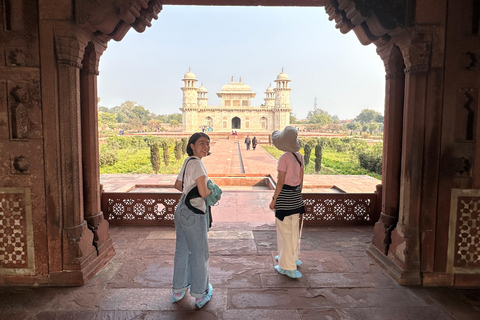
(253, 43)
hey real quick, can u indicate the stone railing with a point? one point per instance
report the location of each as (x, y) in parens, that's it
(322, 208)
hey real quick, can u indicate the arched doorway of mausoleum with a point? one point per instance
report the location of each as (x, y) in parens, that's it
(209, 122)
(236, 123)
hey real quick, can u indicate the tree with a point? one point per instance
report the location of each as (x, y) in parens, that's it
(178, 150)
(166, 153)
(141, 114)
(174, 123)
(184, 145)
(318, 157)
(293, 119)
(155, 157)
(308, 151)
(175, 116)
(134, 124)
(106, 120)
(372, 127)
(103, 109)
(379, 118)
(367, 116)
(154, 124)
(319, 116)
(353, 126)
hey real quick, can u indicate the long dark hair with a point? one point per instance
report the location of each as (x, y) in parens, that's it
(194, 137)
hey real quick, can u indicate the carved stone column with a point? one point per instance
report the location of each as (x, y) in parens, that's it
(90, 156)
(404, 249)
(392, 146)
(78, 249)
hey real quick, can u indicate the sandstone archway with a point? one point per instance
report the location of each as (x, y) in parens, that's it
(50, 54)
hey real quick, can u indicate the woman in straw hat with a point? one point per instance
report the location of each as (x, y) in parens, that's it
(287, 201)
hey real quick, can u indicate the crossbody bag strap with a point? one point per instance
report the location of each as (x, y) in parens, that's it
(296, 158)
(185, 169)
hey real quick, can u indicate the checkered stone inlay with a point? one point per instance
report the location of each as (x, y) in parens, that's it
(16, 243)
(467, 239)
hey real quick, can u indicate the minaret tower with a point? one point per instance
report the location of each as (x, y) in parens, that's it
(282, 102)
(282, 92)
(270, 97)
(189, 102)
(202, 99)
(189, 90)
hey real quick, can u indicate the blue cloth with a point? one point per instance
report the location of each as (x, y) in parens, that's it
(213, 198)
(191, 252)
(215, 195)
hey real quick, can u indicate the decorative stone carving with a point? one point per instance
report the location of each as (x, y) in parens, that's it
(112, 19)
(416, 57)
(16, 232)
(469, 60)
(70, 44)
(465, 114)
(20, 164)
(19, 113)
(463, 166)
(363, 18)
(15, 57)
(464, 238)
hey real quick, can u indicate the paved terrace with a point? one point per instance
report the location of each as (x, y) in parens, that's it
(339, 280)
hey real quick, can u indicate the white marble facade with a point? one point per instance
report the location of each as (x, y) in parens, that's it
(236, 112)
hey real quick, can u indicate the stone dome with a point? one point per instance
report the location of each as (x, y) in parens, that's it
(189, 75)
(202, 89)
(270, 89)
(282, 76)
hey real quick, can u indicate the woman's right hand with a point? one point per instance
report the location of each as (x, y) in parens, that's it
(272, 205)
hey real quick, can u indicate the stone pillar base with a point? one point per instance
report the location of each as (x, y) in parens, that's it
(82, 276)
(381, 232)
(404, 278)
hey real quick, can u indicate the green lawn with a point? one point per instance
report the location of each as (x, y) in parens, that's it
(333, 162)
(137, 160)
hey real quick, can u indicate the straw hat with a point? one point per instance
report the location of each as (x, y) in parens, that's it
(286, 140)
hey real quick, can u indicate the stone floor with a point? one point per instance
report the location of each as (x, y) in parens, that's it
(340, 281)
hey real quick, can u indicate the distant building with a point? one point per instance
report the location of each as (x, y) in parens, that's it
(236, 112)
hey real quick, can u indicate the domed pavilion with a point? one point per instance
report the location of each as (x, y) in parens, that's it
(236, 111)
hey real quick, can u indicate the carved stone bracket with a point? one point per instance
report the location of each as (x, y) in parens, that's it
(92, 55)
(416, 51)
(394, 67)
(348, 16)
(113, 19)
(70, 43)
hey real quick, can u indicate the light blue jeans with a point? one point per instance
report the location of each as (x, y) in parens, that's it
(191, 252)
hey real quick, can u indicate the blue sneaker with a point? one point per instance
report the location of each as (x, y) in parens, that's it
(295, 274)
(178, 296)
(200, 302)
(298, 262)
